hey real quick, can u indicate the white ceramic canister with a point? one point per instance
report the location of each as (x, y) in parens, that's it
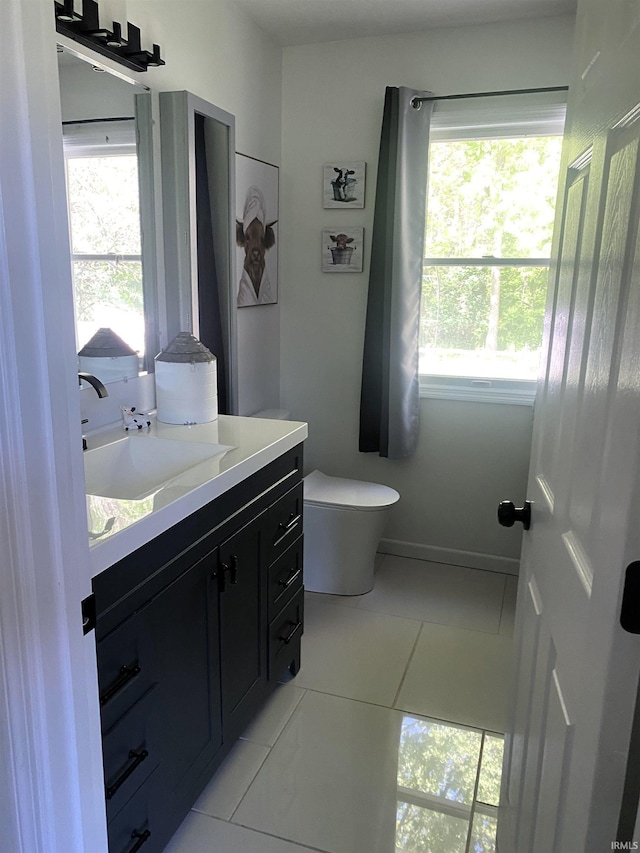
(186, 382)
(108, 357)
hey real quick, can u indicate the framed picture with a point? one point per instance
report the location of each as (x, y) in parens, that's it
(256, 231)
(343, 185)
(342, 249)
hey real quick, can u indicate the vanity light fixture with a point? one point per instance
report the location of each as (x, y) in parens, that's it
(64, 11)
(85, 28)
(114, 39)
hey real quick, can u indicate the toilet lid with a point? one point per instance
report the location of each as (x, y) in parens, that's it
(319, 489)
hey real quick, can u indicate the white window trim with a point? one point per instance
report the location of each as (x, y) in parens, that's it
(476, 389)
(99, 138)
(540, 115)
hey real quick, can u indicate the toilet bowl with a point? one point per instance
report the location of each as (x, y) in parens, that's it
(343, 523)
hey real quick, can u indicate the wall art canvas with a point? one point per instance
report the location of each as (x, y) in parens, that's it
(256, 231)
(342, 249)
(343, 185)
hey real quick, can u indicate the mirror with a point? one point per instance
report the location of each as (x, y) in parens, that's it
(107, 132)
(198, 202)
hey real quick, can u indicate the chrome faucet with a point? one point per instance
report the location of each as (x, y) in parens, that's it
(100, 390)
(95, 383)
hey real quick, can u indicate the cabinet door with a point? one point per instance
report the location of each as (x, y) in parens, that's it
(243, 651)
(185, 632)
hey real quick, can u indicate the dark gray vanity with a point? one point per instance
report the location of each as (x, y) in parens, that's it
(193, 631)
(197, 567)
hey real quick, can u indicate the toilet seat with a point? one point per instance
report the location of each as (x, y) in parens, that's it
(340, 493)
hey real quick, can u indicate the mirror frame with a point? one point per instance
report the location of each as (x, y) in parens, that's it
(177, 134)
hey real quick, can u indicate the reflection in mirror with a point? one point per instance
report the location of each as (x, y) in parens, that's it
(105, 175)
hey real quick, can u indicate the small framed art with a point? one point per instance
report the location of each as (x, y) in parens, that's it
(343, 184)
(342, 249)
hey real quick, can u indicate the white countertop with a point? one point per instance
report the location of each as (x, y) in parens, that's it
(118, 527)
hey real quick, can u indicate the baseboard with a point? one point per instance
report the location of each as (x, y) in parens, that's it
(450, 556)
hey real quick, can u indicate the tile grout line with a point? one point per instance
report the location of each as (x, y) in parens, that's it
(262, 763)
(430, 717)
(504, 598)
(445, 624)
(280, 838)
(475, 792)
(407, 665)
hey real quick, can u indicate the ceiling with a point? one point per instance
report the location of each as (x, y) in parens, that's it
(306, 21)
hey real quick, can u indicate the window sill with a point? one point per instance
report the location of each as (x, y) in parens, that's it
(479, 390)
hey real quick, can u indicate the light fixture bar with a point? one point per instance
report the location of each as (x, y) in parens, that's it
(86, 30)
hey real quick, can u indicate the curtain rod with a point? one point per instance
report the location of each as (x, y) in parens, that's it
(416, 102)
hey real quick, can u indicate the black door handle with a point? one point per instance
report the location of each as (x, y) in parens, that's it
(508, 514)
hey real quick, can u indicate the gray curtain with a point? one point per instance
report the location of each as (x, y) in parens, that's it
(389, 402)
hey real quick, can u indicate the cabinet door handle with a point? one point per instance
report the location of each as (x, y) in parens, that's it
(291, 579)
(138, 758)
(285, 528)
(232, 568)
(125, 675)
(286, 640)
(142, 837)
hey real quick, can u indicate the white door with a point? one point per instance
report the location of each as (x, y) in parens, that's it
(576, 669)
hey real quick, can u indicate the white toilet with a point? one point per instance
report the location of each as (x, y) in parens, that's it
(343, 523)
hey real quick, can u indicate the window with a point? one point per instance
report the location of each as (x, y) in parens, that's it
(490, 212)
(104, 214)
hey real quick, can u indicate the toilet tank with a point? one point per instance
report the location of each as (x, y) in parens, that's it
(273, 414)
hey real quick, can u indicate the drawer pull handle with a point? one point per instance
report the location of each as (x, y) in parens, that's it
(286, 640)
(288, 527)
(126, 674)
(142, 837)
(291, 579)
(138, 758)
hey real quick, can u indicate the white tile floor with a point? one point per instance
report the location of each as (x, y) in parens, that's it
(376, 745)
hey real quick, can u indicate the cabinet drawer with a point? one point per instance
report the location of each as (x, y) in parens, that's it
(131, 751)
(126, 667)
(285, 521)
(285, 577)
(284, 637)
(136, 826)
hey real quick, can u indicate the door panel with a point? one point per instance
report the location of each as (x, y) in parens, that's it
(601, 360)
(563, 331)
(555, 763)
(576, 675)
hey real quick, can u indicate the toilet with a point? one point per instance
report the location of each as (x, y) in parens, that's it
(343, 522)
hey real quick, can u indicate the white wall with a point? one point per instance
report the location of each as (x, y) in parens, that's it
(212, 50)
(470, 455)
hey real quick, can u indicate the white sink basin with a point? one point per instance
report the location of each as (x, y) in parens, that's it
(135, 466)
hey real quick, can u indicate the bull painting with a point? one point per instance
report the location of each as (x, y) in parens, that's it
(256, 236)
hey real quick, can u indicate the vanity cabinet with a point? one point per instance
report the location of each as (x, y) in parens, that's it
(242, 607)
(193, 632)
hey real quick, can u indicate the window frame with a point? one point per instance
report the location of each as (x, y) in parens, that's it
(100, 139)
(542, 115)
